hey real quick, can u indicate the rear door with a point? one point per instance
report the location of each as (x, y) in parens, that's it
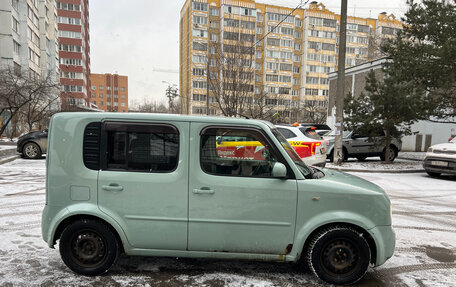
(235, 205)
(143, 181)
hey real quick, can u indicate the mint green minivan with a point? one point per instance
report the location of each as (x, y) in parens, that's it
(185, 186)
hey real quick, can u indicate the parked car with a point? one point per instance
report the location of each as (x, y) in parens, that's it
(309, 146)
(441, 159)
(165, 185)
(320, 129)
(33, 145)
(360, 146)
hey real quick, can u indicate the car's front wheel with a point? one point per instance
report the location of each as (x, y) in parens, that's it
(338, 255)
(31, 150)
(88, 247)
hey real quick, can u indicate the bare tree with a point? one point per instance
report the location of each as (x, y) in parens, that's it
(231, 74)
(313, 113)
(260, 106)
(19, 91)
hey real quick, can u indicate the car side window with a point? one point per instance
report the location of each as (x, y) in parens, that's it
(287, 133)
(236, 152)
(141, 147)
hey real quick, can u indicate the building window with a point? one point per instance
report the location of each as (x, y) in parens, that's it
(199, 20)
(101, 96)
(16, 47)
(214, 11)
(122, 89)
(199, 6)
(15, 24)
(101, 88)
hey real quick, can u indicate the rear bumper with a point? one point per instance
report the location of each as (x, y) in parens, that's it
(449, 169)
(385, 241)
(315, 160)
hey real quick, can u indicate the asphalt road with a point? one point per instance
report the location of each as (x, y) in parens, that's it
(424, 209)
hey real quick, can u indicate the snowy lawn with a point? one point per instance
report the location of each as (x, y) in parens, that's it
(374, 163)
(424, 209)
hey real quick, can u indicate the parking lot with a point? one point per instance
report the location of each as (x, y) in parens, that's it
(424, 209)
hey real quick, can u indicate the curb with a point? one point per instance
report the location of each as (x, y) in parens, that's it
(8, 159)
(408, 158)
(378, 170)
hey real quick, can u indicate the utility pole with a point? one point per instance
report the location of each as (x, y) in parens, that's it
(338, 156)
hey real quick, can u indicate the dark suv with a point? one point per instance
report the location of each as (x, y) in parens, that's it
(33, 144)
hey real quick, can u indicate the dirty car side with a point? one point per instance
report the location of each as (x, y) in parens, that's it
(199, 207)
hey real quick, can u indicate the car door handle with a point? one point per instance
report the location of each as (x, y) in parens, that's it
(112, 187)
(203, 191)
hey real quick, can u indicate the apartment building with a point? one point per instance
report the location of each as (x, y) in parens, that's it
(109, 92)
(74, 52)
(28, 36)
(293, 50)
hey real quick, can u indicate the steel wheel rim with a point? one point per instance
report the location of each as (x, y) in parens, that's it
(391, 154)
(340, 257)
(31, 150)
(88, 248)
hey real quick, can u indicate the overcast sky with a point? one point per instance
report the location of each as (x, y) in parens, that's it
(136, 37)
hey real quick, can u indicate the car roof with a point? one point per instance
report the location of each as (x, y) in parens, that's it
(164, 118)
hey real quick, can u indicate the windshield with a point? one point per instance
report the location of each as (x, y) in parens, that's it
(303, 168)
(333, 133)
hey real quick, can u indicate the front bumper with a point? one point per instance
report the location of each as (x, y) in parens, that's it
(385, 241)
(450, 168)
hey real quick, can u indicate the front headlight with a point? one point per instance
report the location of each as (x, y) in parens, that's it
(391, 211)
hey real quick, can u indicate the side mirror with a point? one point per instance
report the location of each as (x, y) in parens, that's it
(279, 170)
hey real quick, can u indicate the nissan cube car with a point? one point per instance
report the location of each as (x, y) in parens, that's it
(184, 186)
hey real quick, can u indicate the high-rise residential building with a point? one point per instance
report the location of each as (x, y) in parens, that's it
(109, 92)
(28, 37)
(74, 51)
(291, 50)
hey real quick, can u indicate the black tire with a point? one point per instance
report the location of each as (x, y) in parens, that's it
(344, 155)
(331, 156)
(433, 174)
(88, 247)
(393, 153)
(338, 255)
(361, 158)
(31, 150)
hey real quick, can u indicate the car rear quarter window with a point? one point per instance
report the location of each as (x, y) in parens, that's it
(140, 147)
(310, 133)
(287, 133)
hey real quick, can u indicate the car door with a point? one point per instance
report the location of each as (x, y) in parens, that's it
(143, 181)
(235, 205)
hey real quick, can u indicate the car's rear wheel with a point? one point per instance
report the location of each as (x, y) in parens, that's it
(392, 155)
(88, 247)
(433, 174)
(338, 255)
(31, 150)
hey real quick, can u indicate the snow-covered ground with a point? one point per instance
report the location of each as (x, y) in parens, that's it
(424, 209)
(7, 147)
(375, 164)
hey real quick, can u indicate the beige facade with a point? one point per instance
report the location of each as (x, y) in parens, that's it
(294, 50)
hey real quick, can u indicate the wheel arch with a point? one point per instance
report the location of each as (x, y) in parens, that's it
(370, 240)
(117, 231)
